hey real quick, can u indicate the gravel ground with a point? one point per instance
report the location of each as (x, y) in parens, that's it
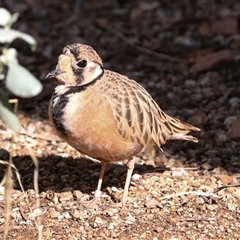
(192, 192)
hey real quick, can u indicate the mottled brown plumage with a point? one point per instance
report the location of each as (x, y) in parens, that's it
(106, 115)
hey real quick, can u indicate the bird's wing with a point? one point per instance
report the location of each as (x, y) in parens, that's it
(138, 116)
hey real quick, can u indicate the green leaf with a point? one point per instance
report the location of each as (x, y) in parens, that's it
(4, 100)
(14, 18)
(5, 17)
(9, 56)
(9, 118)
(21, 82)
(8, 35)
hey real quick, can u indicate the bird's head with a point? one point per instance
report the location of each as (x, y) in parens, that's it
(79, 64)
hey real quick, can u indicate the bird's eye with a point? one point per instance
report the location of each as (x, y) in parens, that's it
(82, 64)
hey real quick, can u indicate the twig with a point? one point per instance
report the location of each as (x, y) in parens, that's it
(188, 193)
(35, 182)
(15, 102)
(185, 168)
(230, 185)
(42, 137)
(196, 219)
(35, 135)
(102, 24)
(24, 216)
(7, 196)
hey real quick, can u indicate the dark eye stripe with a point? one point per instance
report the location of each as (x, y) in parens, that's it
(78, 72)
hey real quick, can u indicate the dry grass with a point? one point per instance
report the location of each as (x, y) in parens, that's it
(8, 185)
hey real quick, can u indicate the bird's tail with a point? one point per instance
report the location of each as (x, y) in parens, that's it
(181, 129)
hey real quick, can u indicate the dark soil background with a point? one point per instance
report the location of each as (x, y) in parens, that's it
(186, 54)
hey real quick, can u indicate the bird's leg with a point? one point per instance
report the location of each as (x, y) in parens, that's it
(98, 191)
(96, 200)
(130, 166)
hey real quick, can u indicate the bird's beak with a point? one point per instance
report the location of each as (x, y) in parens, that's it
(54, 73)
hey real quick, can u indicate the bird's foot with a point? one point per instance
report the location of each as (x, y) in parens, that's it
(121, 206)
(91, 204)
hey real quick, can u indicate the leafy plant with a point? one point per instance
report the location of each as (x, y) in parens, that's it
(18, 79)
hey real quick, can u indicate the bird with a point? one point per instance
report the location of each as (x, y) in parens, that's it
(105, 115)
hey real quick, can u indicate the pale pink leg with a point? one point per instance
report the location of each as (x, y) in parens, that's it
(96, 200)
(98, 191)
(130, 166)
